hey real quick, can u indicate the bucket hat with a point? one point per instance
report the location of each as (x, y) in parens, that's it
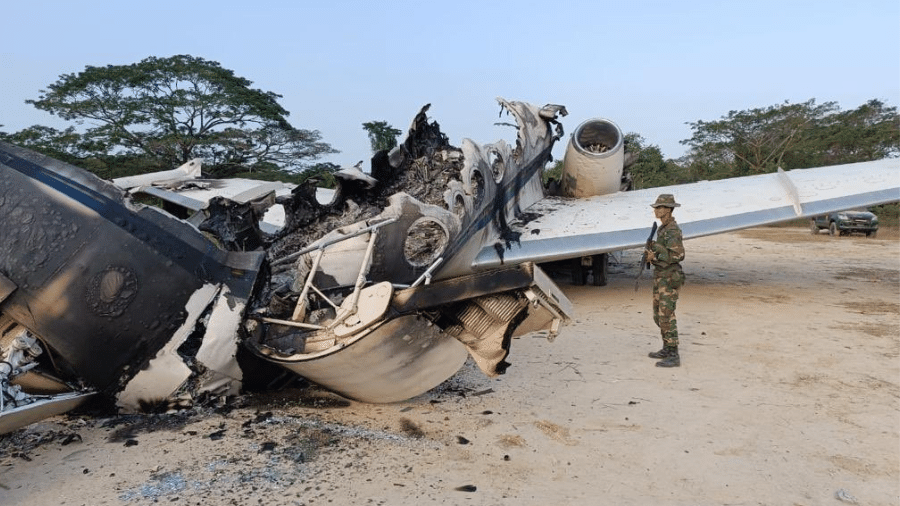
(665, 200)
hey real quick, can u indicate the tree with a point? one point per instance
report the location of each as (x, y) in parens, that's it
(71, 147)
(382, 136)
(791, 136)
(323, 172)
(870, 132)
(552, 173)
(182, 107)
(648, 169)
(63, 145)
(756, 141)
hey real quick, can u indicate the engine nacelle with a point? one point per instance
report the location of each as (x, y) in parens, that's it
(594, 159)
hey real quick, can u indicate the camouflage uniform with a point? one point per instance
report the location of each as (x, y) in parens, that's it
(668, 250)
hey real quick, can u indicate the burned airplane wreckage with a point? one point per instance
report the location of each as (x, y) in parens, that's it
(379, 292)
(371, 294)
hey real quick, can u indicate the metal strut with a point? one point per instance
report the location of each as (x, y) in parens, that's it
(300, 309)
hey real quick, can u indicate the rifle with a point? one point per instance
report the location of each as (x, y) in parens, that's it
(644, 263)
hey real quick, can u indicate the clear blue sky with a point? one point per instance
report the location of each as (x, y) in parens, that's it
(650, 66)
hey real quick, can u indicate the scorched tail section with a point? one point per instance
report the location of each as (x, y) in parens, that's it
(102, 282)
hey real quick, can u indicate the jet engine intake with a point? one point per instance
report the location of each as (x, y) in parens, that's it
(594, 159)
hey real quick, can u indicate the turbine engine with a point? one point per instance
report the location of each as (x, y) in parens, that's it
(594, 160)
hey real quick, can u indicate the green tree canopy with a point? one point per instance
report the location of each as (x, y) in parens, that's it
(869, 132)
(182, 107)
(648, 168)
(382, 135)
(791, 136)
(322, 172)
(79, 149)
(65, 145)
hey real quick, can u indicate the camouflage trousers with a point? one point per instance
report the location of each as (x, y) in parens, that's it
(665, 296)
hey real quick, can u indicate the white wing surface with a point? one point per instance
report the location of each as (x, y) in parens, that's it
(559, 228)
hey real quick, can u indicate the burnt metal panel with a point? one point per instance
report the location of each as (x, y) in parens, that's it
(6, 287)
(464, 288)
(21, 416)
(399, 359)
(103, 282)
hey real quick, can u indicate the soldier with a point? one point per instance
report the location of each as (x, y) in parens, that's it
(666, 254)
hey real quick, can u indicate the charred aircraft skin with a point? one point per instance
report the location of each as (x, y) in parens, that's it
(93, 272)
(430, 206)
(105, 284)
(136, 304)
(379, 294)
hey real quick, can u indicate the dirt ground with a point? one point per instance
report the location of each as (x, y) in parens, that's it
(788, 394)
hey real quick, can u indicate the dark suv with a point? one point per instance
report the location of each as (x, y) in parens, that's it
(846, 222)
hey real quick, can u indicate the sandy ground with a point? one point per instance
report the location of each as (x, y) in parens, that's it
(788, 394)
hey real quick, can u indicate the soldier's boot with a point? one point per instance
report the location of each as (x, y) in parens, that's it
(671, 360)
(662, 353)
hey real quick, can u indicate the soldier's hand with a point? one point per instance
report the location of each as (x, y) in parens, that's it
(650, 255)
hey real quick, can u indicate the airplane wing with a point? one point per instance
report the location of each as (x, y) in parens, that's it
(557, 228)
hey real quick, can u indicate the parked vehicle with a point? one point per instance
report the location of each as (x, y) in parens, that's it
(846, 222)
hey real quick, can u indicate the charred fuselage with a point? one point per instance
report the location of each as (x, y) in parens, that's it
(371, 294)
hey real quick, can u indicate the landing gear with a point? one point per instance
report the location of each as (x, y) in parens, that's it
(579, 272)
(598, 268)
